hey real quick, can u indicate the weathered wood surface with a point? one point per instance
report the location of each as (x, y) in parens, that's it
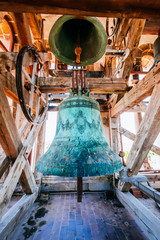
(96, 85)
(139, 108)
(143, 216)
(151, 27)
(101, 8)
(5, 162)
(8, 60)
(22, 28)
(15, 172)
(40, 143)
(114, 135)
(140, 91)
(9, 83)
(15, 214)
(35, 26)
(132, 136)
(146, 135)
(9, 137)
(152, 177)
(122, 31)
(133, 39)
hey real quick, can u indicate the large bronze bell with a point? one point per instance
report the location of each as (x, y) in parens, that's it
(78, 40)
(79, 148)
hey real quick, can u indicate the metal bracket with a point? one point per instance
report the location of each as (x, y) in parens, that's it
(126, 176)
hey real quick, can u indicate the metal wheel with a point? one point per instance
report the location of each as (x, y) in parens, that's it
(29, 95)
(112, 26)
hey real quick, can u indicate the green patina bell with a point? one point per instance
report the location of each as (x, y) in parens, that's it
(78, 40)
(79, 148)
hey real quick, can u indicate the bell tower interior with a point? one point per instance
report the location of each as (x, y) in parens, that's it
(79, 120)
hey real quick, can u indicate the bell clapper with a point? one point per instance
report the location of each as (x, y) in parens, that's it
(78, 51)
(79, 189)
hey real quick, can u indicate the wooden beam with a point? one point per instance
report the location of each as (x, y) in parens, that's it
(22, 28)
(14, 215)
(146, 220)
(40, 143)
(132, 137)
(99, 8)
(19, 165)
(134, 36)
(35, 26)
(4, 164)
(146, 135)
(139, 108)
(6, 161)
(152, 27)
(96, 85)
(8, 60)
(27, 180)
(37, 29)
(140, 91)
(9, 137)
(122, 30)
(114, 135)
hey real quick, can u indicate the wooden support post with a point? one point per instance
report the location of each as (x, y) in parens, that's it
(114, 135)
(138, 119)
(105, 124)
(146, 135)
(79, 189)
(40, 143)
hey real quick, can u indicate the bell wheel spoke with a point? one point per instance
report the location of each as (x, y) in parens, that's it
(27, 89)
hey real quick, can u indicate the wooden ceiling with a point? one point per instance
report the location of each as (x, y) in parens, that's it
(103, 8)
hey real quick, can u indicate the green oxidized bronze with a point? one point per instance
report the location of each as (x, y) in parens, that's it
(79, 148)
(70, 32)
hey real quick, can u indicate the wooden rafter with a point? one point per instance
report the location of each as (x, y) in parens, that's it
(146, 135)
(99, 8)
(140, 91)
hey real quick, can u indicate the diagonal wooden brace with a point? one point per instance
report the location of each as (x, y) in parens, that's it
(146, 135)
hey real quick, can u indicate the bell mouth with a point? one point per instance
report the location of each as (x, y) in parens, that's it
(70, 31)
